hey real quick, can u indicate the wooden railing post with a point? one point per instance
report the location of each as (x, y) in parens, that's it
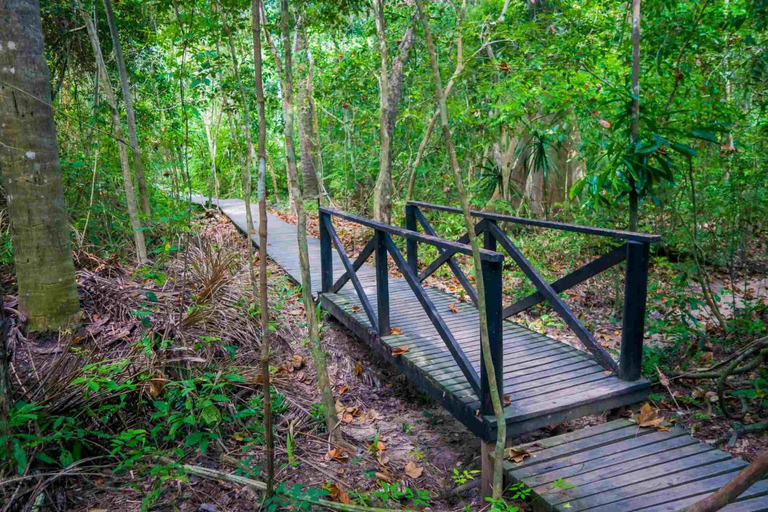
(326, 255)
(382, 283)
(635, 291)
(492, 282)
(411, 246)
(489, 241)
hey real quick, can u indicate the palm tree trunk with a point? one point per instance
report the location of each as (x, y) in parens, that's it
(32, 174)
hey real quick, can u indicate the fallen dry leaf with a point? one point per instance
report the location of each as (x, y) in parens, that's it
(339, 494)
(507, 401)
(336, 454)
(343, 389)
(518, 454)
(453, 308)
(648, 417)
(398, 351)
(157, 384)
(358, 369)
(355, 309)
(395, 331)
(383, 476)
(412, 470)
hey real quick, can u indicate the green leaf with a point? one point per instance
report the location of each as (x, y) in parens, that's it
(151, 296)
(20, 456)
(210, 414)
(705, 135)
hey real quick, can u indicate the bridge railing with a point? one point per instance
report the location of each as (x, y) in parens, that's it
(381, 245)
(635, 250)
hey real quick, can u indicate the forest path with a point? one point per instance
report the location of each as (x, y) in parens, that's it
(282, 244)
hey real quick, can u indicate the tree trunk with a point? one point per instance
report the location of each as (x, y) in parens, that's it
(390, 92)
(138, 167)
(130, 193)
(498, 475)
(307, 135)
(249, 153)
(733, 489)
(634, 135)
(32, 174)
(318, 353)
(263, 298)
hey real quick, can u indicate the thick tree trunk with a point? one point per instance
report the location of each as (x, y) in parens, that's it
(138, 167)
(130, 193)
(32, 173)
(390, 93)
(262, 195)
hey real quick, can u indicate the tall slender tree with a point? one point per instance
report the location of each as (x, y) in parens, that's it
(498, 411)
(634, 122)
(130, 192)
(125, 87)
(262, 196)
(29, 159)
(318, 353)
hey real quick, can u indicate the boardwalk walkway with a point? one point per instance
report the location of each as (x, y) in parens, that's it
(546, 381)
(613, 466)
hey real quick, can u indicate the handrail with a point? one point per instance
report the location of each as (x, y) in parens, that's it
(635, 251)
(413, 235)
(382, 246)
(562, 226)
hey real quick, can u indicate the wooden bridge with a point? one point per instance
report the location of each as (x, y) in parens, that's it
(434, 340)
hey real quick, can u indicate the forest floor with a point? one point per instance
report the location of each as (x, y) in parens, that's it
(179, 332)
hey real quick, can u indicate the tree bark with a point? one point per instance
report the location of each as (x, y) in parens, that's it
(634, 136)
(249, 153)
(138, 167)
(733, 489)
(498, 475)
(318, 353)
(307, 135)
(130, 193)
(262, 195)
(29, 160)
(390, 93)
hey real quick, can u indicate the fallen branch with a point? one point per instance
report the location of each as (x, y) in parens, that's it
(733, 489)
(213, 474)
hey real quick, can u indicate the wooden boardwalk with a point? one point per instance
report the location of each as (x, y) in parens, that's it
(546, 381)
(620, 466)
(614, 466)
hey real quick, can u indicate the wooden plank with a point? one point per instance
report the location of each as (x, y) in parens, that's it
(753, 504)
(605, 461)
(562, 455)
(461, 360)
(757, 495)
(667, 489)
(648, 473)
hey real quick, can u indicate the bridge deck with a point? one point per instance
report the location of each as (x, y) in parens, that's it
(620, 466)
(547, 381)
